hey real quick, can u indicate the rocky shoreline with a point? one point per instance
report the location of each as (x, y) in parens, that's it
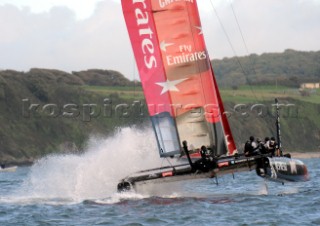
(305, 155)
(297, 155)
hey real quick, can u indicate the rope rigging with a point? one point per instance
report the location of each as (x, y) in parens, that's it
(232, 47)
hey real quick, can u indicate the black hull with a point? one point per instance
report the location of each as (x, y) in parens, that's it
(282, 169)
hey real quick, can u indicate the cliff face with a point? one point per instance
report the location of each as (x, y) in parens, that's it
(45, 111)
(299, 124)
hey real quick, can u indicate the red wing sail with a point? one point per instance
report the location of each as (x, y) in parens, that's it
(177, 78)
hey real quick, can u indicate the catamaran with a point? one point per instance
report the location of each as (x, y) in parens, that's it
(184, 102)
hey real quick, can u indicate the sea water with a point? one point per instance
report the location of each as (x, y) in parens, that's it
(81, 190)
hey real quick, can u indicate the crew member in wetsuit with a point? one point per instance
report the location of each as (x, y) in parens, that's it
(272, 146)
(203, 152)
(266, 145)
(206, 162)
(250, 146)
(260, 147)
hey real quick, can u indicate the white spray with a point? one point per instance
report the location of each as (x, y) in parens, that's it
(96, 173)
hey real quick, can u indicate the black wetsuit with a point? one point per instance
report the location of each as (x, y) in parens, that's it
(206, 163)
(248, 148)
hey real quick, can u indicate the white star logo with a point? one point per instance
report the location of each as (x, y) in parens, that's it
(164, 45)
(200, 30)
(170, 85)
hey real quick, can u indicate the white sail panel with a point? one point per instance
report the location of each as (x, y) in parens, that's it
(166, 134)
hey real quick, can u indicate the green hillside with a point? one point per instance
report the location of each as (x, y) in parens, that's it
(46, 111)
(290, 68)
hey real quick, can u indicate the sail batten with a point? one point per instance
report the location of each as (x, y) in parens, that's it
(177, 76)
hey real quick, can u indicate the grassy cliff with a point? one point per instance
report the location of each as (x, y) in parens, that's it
(46, 111)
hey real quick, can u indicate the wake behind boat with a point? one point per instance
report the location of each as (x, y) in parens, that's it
(184, 101)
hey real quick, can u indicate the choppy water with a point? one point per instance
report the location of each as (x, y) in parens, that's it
(81, 190)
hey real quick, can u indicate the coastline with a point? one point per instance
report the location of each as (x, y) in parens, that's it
(305, 155)
(296, 155)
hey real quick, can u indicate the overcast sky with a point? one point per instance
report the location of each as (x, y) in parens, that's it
(73, 35)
